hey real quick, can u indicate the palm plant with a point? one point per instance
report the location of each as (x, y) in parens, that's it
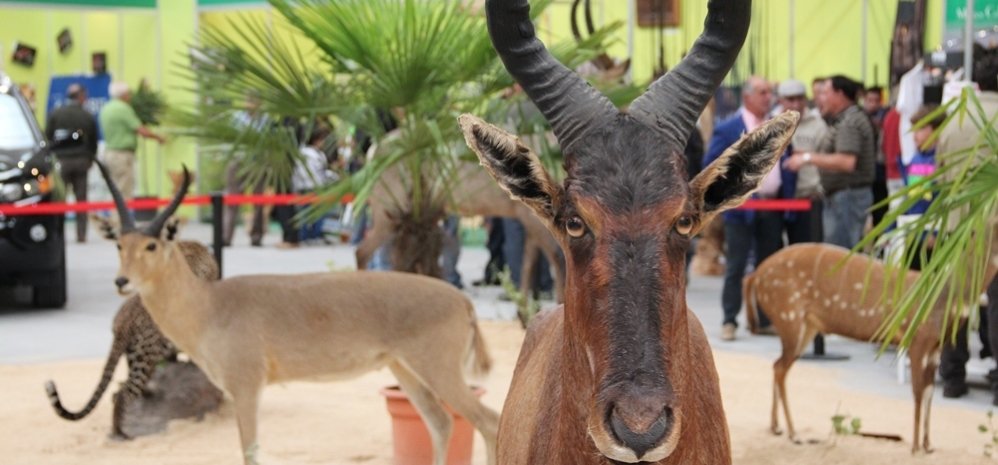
(961, 216)
(423, 61)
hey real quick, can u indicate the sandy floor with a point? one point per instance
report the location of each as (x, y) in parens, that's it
(346, 422)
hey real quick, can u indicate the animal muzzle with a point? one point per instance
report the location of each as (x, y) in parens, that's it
(122, 284)
(637, 429)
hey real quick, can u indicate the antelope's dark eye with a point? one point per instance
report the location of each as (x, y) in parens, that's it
(151, 246)
(119, 247)
(684, 225)
(575, 227)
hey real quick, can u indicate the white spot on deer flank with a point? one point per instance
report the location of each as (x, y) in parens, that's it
(858, 286)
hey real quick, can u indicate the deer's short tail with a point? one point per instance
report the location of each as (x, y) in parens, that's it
(479, 362)
(751, 309)
(117, 349)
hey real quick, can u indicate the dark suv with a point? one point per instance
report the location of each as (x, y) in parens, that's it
(32, 248)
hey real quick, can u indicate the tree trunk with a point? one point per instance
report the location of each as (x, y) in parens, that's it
(418, 241)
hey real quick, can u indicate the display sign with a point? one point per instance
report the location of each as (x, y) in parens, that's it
(96, 87)
(985, 22)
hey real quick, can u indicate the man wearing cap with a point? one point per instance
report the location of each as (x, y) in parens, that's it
(845, 160)
(746, 229)
(811, 130)
(72, 131)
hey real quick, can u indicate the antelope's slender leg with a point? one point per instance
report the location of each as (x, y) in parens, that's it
(247, 403)
(450, 386)
(430, 409)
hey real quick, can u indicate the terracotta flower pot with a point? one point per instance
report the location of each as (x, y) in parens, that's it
(411, 439)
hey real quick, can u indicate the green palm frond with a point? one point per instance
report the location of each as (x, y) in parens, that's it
(426, 61)
(965, 192)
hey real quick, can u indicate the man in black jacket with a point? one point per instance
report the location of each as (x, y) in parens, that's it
(72, 131)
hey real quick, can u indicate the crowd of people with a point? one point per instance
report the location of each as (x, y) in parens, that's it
(850, 151)
(847, 156)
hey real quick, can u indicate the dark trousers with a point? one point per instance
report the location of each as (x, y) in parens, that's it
(955, 354)
(879, 193)
(806, 225)
(513, 239)
(764, 236)
(285, 214)
(495, 244)
(73, 170)
(236, 184)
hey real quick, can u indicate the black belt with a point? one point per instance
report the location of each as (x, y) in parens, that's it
(830, 192)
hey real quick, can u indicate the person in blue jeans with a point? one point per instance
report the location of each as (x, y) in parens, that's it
(512, 247)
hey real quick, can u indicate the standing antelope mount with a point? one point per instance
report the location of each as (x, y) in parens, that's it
(250, 331)
(807, 289)
(622, 372)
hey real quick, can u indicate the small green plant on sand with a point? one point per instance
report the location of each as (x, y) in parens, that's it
(988, 429)
(526, 307)
(845, 425)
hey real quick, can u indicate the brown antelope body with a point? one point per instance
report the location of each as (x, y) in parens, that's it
(622, 372)
(249, 331)
(804, 291)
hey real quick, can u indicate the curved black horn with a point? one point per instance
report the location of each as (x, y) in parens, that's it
(124, 215)
(568, 102)
(156, 226)
(674, 101)
(590, 26)
(575, 21)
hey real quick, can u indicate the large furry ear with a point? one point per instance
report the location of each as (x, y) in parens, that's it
(172, 225)
(513, 165)
(732, 178)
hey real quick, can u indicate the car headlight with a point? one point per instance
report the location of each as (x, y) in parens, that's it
(11, 192)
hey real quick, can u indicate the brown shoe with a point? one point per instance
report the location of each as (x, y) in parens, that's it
(728, 332)
(287, 245)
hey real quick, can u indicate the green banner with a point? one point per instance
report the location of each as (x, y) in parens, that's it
(211, 3)
(85, 3)
(985, 14)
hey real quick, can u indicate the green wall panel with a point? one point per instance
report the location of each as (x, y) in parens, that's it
(90, 3)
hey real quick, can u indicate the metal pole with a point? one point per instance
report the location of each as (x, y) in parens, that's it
(968, 41)
(631, 20)
(793, 37)
(866, 14)
(217, 206)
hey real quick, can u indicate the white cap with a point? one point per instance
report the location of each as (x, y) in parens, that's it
(791, 88)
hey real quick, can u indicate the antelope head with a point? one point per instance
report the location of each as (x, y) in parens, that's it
(144, 254)
(624, 217)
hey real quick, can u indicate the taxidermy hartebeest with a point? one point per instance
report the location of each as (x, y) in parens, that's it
(622, 372)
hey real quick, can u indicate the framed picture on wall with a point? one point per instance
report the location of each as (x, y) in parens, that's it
(658, 13)
(64, 40)
(24, 54)
(98, 61)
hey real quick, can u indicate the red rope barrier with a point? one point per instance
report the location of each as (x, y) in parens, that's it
(150, 204)
(789, 205)
(285, 199)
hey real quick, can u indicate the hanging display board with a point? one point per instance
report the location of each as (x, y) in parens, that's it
(985, 23)
(658, 13)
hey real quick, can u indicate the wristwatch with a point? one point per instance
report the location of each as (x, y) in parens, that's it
(806, 157)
